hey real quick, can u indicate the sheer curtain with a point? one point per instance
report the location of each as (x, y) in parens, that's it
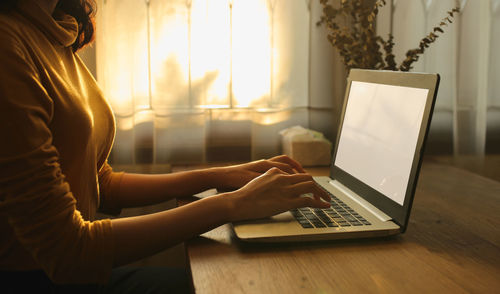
(467, 114)
(211, 80)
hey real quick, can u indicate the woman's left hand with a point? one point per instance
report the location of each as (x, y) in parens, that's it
(236, 176)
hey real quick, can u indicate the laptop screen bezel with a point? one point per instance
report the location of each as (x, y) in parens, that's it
(399, 214)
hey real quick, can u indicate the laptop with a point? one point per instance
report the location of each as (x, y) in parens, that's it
(375, 164)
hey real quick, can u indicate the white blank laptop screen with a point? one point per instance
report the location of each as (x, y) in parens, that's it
(379, 135)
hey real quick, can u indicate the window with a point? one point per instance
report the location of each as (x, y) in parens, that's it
(196, 80)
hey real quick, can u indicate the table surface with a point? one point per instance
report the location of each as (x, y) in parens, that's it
(452, 245)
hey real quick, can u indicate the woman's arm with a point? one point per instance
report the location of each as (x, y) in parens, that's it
(142, 189)
(273, 192)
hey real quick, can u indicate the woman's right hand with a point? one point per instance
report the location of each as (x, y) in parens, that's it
(274, 192)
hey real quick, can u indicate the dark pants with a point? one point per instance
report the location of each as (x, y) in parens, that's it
(142, 280)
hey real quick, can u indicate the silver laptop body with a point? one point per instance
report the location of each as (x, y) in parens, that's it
(375, 164)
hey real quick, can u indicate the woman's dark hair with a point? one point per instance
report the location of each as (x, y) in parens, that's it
(82, 10)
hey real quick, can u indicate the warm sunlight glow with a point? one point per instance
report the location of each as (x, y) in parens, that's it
(211, 50)
(202, 54)
(251, 53)
(272, 117)
(169, 47)
(127, 89)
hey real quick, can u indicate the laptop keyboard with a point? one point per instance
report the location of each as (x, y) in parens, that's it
(338, 215)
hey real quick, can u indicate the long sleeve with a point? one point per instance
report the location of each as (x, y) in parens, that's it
(36, 198)
(109, 188)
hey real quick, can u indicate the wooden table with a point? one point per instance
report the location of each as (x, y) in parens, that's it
(452, 245)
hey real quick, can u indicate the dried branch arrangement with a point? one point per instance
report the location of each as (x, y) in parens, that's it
(357, 42)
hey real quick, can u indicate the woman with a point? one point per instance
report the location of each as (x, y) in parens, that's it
(57, 131)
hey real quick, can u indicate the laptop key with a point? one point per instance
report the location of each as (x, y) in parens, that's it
(326, 221)
(320, 213)
(341, 214)
(326, 216)
(350, 218)
(319, 225)
(307, 225)
(314, 219)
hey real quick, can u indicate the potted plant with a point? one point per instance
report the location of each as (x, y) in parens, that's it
(358, 44)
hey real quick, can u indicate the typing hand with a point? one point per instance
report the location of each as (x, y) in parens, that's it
(274, 192)
(236, 176)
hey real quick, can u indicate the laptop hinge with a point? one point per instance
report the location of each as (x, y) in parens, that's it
(367, 205)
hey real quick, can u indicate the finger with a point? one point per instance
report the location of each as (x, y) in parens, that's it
(293, 163)
(309, 202)
(322, 193)
(282, 166)
(309, 187)
(298, 178)
(275, 170)
(264, 165)
(289, 161)
(319, 204)
(301, 188)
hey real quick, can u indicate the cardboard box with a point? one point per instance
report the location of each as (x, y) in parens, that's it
(308, 147)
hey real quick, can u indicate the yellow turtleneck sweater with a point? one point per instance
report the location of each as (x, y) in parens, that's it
(56, 131)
